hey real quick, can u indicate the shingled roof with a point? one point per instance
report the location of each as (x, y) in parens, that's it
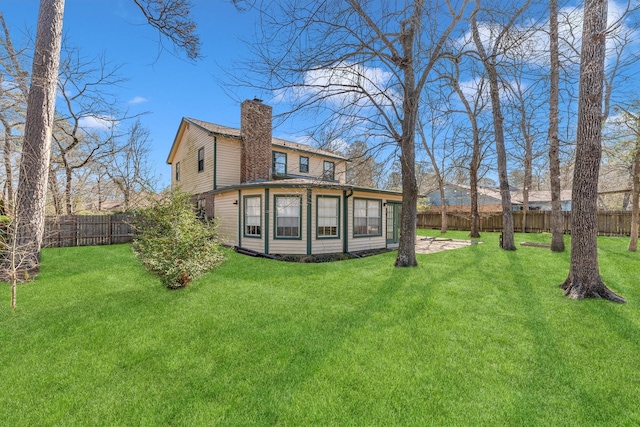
(236, 133)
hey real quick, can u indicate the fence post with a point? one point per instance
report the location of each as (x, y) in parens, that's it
(109, 229)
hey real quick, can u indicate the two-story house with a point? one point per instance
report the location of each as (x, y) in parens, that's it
(278, 197)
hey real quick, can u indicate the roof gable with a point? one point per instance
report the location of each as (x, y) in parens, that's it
(215, 129)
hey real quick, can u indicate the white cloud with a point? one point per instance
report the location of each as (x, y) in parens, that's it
(531, 44)
(97, 123)
(344, 84)
(470, 88)
(336, 145)
(138, 100)
(7, 85)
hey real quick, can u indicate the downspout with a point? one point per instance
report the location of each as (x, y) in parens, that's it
(239, 201)
(215, 162)
(266, 220)
(309, 231)
(345, 238)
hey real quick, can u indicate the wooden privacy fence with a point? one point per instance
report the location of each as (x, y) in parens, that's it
(87, 230)
(610, 223)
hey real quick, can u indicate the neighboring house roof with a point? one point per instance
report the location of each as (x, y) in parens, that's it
(491, 193)
(540, 196)
(485, 191)
(517, 196)
(302, 183)
(215, 129)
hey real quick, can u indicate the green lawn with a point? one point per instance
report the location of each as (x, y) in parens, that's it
(473, 336)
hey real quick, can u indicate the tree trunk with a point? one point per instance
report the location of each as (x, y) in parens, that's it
(68, 174)
(635, 204)
(443, 207)
(474, 165)
(473, 181)
(557, 232)
(407, 246)
(528, 178)
(507, 241)
(14, 292)
(127, 199)
(34, 165)
(584, 276)
(440, 178)
(8, 149)
(54, 190)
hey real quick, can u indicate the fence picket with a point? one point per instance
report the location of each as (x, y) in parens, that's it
(610, 223)
(86, 230)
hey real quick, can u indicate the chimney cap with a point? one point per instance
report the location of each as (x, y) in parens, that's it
(256, 99)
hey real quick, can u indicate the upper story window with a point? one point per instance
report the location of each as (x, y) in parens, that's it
(200, 159)
(279, 163)
(178, 171)
(304, 164)
(367, 217)
(329, 170)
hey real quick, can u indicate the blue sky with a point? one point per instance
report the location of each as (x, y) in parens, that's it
(162, 83)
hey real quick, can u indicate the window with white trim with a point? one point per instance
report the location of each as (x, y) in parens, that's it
(252, 216)
(328, 216)
(304, 164)
(178, 171)
(329, 170)
(279, 163)
(288, 214)
(367, 217)
(200, 159)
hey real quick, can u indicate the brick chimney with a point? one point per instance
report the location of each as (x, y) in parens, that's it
(255, 129)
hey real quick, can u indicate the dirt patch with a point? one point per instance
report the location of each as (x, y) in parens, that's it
(536, 245)
(429, 245)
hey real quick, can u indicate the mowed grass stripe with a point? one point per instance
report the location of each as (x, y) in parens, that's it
(473, 336)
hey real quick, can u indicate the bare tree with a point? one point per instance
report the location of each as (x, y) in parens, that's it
(170, 17)
(622, 162)
(432, 128)
(489, 56)
(127, 166)
(524, 96)
(12, 104)
(56, 192)
(13, 271)
(34, 167)
(635, 199)
(88, 117)
(363, 170)
(584, 279)
(557, 232)
(472, 108)
(172, 20)
(362, 64)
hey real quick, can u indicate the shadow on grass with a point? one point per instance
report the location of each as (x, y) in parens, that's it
(273, 393)
(548, 382)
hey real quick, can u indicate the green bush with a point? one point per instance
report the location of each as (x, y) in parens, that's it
(173, 243)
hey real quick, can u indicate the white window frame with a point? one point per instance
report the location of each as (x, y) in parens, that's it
(327, 217)
(287, 217)
(252, 218)
(367, 217)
